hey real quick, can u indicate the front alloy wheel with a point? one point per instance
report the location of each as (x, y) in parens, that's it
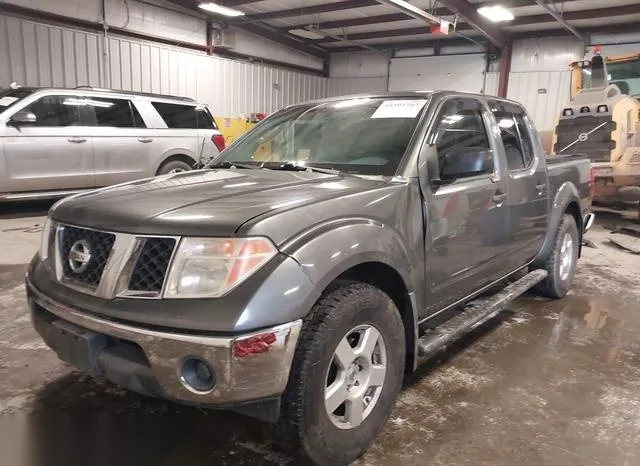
(355, 377)
(346, 375)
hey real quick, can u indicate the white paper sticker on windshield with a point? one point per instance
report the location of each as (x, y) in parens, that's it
(6, 101)
(399, 108)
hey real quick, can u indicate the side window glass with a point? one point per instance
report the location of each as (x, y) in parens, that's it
(510, 140)
(525, 137)
(114, 113)
(461, 140)
(178, 116)
(56, 111)
(514, 134)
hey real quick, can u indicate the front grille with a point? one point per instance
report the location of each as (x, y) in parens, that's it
(152, 264)
(95, 244)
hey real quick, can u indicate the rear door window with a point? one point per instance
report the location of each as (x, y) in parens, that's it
(114, 113)
(178, 116)
(514, 133)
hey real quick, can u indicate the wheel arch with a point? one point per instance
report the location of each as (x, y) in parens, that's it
(388, 280)
(566, 201)
(179, 156)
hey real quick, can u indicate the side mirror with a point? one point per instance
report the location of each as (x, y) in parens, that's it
(23, 118)
(466, 162)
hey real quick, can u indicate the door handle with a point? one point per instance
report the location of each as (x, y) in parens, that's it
(541, 188)
(499, 198)
(77, 140)
(145, 140)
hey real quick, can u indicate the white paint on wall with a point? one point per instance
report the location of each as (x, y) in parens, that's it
(544, 107)
(159, 19)
(43, 55)
(351, 86)
(545, 54)
(455, 72)
(254, 45)
(358, 65)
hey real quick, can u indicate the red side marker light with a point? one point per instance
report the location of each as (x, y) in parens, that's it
(254, 345)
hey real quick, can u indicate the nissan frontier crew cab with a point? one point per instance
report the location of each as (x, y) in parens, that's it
(314, 262)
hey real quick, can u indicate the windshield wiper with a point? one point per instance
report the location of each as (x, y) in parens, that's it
(288, 166)
(227, 164)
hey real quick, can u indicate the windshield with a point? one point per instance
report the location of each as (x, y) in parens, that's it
(10, 97)
(366, 136)
(625, 74)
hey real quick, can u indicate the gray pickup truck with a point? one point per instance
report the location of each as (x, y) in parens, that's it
(315, 262)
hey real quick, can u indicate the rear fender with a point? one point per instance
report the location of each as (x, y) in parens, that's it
(566, 194)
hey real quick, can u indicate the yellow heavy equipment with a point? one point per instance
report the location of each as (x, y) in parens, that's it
(602, 120)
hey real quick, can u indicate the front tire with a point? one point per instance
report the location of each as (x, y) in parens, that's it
(561, 264)
(345, 378)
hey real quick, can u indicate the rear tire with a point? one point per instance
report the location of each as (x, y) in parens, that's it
(351, 348)
(174, 166)
(561, 264)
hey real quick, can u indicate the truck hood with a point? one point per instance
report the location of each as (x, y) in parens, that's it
(202, 203)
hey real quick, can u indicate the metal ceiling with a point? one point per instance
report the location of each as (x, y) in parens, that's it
(380, 24)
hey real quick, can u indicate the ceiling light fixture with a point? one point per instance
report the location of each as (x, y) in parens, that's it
(221, 10)
(496, 13)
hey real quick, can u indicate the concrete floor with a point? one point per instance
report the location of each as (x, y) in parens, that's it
(547, 383)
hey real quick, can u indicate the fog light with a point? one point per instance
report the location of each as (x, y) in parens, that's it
(197, 375)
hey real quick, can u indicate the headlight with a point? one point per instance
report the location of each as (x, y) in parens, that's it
(45, 240)
(210, 267)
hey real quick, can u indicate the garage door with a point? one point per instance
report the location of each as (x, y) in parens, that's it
(455, 72)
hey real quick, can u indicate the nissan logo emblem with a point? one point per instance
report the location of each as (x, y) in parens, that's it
(79, 256)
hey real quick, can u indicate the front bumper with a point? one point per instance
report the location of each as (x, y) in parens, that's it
(152, 362)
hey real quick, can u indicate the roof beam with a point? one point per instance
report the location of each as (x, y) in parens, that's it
(393, 17)
(462, 7)
(263, 30)
(280, 38)
(558, 17)
(395, 33)
(409, 45)
(520, 21)
(313, 10)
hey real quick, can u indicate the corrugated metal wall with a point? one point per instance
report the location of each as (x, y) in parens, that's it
(349, 86)
(491, 83)
(540, 78)
(44, 55)
(357, 73)
(543, 94)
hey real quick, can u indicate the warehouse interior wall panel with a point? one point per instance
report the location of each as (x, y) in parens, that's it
(161, 19)
(45, 55)
(357, 73)
(456, 72)
(251, 44)
(351, 86)
(543, 94)
(545, 54)
(358, 65)
(491, 83)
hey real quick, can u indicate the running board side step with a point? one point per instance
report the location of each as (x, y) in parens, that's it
(476, 313)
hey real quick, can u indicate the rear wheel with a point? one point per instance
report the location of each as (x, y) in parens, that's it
(174, 166)
(345, 378)
(561, 264)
